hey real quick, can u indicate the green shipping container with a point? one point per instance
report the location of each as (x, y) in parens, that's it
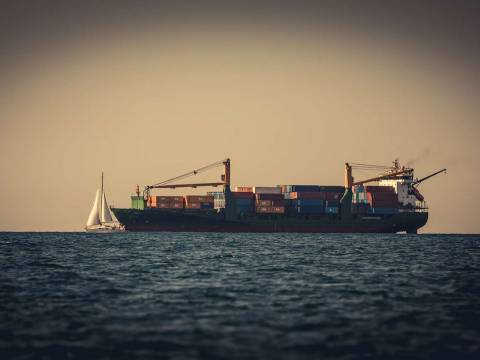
(138, 202)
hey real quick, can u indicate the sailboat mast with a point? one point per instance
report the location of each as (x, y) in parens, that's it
(101, 201)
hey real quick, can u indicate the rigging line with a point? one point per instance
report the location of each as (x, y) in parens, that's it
(191, 173)
(371, 165)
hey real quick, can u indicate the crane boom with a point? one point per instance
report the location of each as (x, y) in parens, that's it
(418, 181)
(174, 186)
(169, 184)
(386, 176)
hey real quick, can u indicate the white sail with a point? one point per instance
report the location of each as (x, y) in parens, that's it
(94, 218)
(105, 216)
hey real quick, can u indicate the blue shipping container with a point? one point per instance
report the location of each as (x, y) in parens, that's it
(331, 210)
(248, 202)
(309, 202)
(335, 189)
(206, 205)
(333, 203)
(309, 209)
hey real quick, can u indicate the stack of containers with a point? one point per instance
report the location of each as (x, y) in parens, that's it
(360, 203)
(244, 201)
(166, 202)
(332, 202)
(270, 202)
(382, 199)
(204, 202)
(218, 199)
(333, 194)
(307, 202)
(313, 199)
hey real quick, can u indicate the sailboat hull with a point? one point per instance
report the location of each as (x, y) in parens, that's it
(105, 229)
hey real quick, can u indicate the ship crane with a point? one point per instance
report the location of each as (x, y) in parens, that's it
(392, 173)
(172, 183)
(414, 190)
(419, 181)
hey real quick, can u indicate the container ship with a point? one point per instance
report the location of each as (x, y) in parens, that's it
(394, 204)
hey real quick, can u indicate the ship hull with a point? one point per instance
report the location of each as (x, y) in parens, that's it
(201, 221)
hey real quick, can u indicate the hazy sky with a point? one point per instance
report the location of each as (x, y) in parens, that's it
(289, 91)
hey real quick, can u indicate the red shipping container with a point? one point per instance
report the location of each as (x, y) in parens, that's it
(264, 202)
(199, 198)
(270, 196)
(242, 195)
(278, 203)
(193, 205)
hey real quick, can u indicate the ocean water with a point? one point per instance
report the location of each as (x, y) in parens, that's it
(239, 296)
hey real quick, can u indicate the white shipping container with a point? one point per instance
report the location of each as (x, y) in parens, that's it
(219, 203)
(267, 190)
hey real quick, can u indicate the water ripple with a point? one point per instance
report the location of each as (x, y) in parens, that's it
(235, 296)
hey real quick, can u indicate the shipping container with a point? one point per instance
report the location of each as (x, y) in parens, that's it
(219, 203)
(307, 195)
(199, 198)
(332, 203)
(308, 209)
(266, 190)
(269, 196)
(331, 210)
(206, 205)
(264, 202)
(308, 202)
(301, 188)
(333, 189)
(193, 205)
(244, 189)
(242, 195)
(378, 188)
(270, 209)
(270, 203)
(217, 194)
(333, 196)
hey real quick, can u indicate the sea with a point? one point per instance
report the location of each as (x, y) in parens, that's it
(239, 296)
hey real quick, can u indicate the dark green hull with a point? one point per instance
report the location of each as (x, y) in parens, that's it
(212, 221)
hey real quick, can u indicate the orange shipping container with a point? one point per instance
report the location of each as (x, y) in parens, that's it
(243, 189)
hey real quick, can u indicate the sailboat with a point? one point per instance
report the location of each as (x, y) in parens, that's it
(101, 219)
